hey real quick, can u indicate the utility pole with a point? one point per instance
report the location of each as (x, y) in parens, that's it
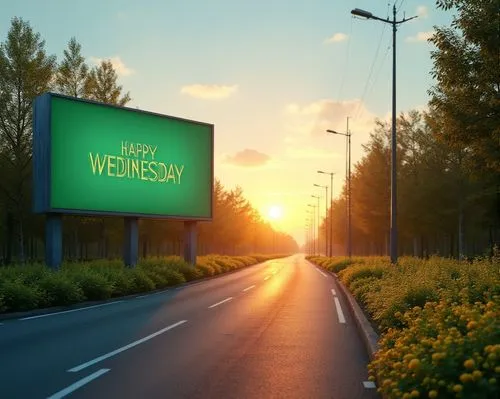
(348, 182)
(394, 225)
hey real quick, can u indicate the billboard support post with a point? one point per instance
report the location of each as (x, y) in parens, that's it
(190, 243)
(131, 241)
(53, 240)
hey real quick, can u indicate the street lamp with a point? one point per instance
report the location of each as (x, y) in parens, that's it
(313, 226)
(394, 228)
(317, 226)
(348, 172)
(326, 216)
(331, 208)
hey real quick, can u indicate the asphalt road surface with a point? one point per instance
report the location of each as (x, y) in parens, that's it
(279, 329)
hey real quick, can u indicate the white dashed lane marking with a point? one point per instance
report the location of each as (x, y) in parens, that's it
(220, 303)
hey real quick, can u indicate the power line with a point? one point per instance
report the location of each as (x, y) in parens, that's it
(371, 71)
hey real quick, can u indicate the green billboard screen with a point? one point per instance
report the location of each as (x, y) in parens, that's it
(92, 158)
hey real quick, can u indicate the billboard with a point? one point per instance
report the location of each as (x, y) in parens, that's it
(92, 158)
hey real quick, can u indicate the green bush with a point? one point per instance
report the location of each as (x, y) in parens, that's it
(60, 290)
(140, 281)
(120, 279)
(362, 286)
(174, 277)
(19, 296)
(189, 272)
(28, 274)
(31, 286)
(340, 265)
(206, 269)
(94, 286)
(159, 279)
(354, 272)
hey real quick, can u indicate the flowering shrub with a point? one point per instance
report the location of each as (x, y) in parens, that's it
(446, 350)
(440, 323)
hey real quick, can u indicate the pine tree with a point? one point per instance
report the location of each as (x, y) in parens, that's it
(26, 71)
(72, 72)
(101, 85)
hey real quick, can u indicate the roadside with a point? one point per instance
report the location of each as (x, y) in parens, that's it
(155, 276)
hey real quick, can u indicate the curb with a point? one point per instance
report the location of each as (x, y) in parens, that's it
(368, 334)
(82, 305)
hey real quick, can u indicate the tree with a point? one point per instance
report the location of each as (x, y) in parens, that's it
(467, 93)
(72, 72)
(466, 67)
(25, 72)
(101, 85)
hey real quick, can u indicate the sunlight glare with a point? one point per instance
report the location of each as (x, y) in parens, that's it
(275, 212)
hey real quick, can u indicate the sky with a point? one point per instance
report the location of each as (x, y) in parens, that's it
(271, 75)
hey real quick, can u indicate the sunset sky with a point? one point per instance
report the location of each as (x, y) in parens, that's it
(271, 75)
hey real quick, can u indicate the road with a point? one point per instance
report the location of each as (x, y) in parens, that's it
(279, 329)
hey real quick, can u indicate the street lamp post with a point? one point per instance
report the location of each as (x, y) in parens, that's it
(349, 229)
(326, 216)
(331, 209)
(317, 225)
(394, 228)
(313, 226)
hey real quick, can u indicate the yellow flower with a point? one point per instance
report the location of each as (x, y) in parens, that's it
(457, 388)
(433, 394)
(465, 377)
(471, 324)
(414, 394)
(469, 363)
(414, 364)
(476, 374)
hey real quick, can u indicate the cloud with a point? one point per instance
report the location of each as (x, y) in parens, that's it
(209, 92)
(420, 37)
(248, 158)
(315, 118)
(337, 38)
(306, 125)
(422, 11)
(119, 66)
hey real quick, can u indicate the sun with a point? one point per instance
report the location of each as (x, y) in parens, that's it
(275, 212)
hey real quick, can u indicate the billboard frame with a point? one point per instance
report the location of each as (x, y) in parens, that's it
(42, 183)
(42, 166)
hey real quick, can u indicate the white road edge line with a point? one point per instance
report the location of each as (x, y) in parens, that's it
(153, 294)
(69, 311)
(369, 384)
(266, 278)
(319, 271)
(78, 384)
(249, 288)
(334, 292)
(340, 314)
(124, 348)
(220, 303)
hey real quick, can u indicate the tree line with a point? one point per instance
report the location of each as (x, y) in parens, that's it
(26, 71)
(448, 157)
